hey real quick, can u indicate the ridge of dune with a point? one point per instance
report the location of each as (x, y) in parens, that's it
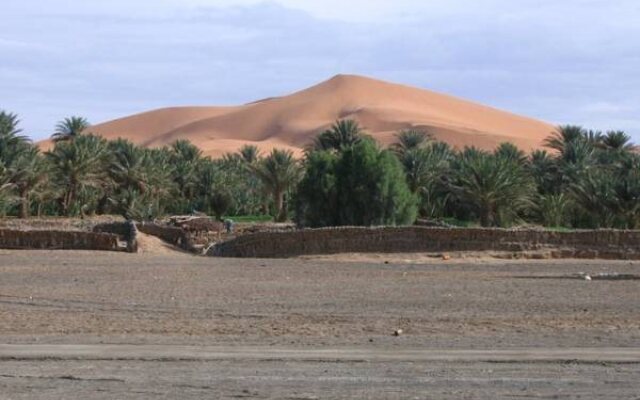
(291, 121)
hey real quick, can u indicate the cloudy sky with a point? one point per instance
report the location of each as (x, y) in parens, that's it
(568, 61)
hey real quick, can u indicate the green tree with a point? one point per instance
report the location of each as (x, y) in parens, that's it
(129, 187)
(317, 196)
(160, 183)
(510, 152)
(70, 128)
(279, 173)
(544, 170)
(553, 209)
(28, 173)
(249, 154)
(21, 162)
(186, 159)
(618, 141)
(426, 167)
(77, 166)
(360, 185)
(342, 134)
(7, 198)
(220, 202)
(409, 140)
(496, 189)
(9, 131)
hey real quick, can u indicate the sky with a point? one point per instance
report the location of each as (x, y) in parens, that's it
(565, 62)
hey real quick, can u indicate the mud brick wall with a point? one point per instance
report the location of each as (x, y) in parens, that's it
(58, 240)
(122, 229)
(175, 236)
(588, 244)
(126, 231)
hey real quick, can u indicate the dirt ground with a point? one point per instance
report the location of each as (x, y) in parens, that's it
(173, 297)
(311, 381)
(164, 297)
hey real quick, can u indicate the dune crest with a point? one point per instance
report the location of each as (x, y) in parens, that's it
(292, 121)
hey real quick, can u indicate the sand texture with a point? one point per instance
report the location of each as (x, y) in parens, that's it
(292, 121)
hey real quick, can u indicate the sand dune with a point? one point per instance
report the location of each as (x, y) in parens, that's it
(292, 121)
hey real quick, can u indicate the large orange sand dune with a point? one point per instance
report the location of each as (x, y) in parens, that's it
(292, 121)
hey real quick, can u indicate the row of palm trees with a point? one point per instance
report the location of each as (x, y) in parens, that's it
(85, 174)
(585, 179)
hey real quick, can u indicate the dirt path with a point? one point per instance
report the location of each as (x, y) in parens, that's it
(262, 373)
(284, 354)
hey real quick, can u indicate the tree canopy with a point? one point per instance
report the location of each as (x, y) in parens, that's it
(584, 179)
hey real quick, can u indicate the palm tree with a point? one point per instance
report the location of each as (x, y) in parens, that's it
(426, 170)
(409, 140)
(563, 135)
(626, 187)
(544, 170)
(9, 130)
(70, 128)
(618, 141)
(576, 159)
(127, 165)
(278, 173)
(510, 152)
(20, 160)
(75, 166)
(249, 153)
(11, 142)
(159, 173)
(27, 174)
(594, 137)
(185, 159)
(496, 189)
(7, 199)
(128, 185)
(341, 135)
(552, 209)
(594, 193)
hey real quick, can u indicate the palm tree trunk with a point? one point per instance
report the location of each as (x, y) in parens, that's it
(24, 205)
(279, 206)
(70, 198)
(485, 216)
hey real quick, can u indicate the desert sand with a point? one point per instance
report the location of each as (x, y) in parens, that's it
(291, 121)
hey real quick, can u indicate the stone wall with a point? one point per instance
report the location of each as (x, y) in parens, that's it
(613, 244)
(126, 231)
(58, 240)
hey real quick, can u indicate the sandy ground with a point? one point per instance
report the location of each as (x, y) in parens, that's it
(178, 299)
(291, 121)
(152, 245)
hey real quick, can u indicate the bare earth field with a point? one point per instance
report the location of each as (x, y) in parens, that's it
(314, 327)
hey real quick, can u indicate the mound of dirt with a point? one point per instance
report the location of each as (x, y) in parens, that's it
(148, 244)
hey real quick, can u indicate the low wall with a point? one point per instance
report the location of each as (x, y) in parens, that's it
(613, 244)
(126, 231)
(58, 240)
(175, 236)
